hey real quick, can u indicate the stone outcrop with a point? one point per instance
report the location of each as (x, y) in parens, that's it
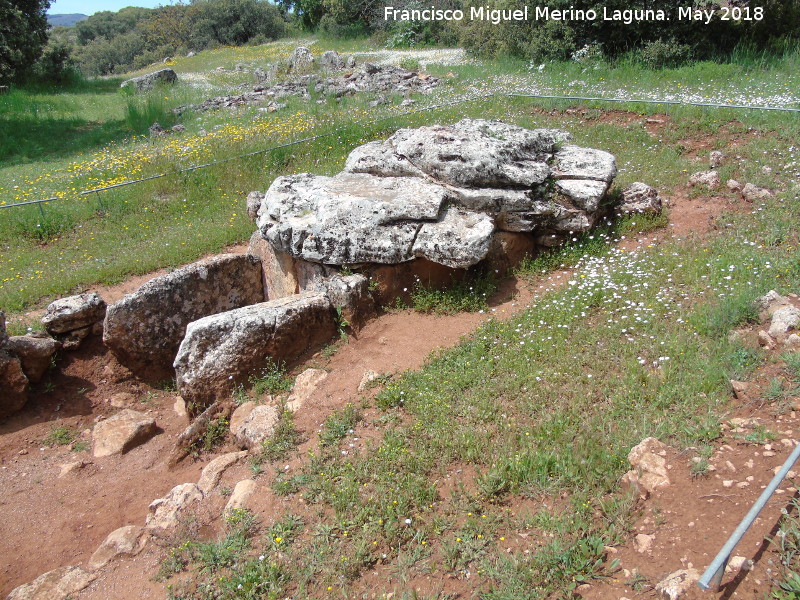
(144, 83)
(74, 313)
(145, 329)
(301, 59)
(304, 387)
(649, 467)
(166, 513)
(241, 495)
(256, 426)
(438, 193)
(125, 541)
(212, 472)
(122, 432)
(220, 351)
(35, 354)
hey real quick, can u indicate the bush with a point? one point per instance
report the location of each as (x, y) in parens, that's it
(661, 55)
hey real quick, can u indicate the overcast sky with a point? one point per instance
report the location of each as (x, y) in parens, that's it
(88, 7)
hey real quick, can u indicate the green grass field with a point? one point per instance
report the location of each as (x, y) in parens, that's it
(537, 412)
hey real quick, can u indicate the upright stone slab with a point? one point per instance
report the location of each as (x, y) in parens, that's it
(222, 350)
(145, 329)
(144, 83)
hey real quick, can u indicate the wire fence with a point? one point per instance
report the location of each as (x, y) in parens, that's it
(44, 201)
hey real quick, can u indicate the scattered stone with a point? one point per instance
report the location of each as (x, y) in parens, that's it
(180, 408)
(122, 432)
(640, 198)
(241, 494)
(257, 427)
(191, 54)
(331, 60)
(165, 513)
(70, 467)
(728, 483)
(739, 563)
(709, 179)
(127, 541)
(784, 319)
(147, 82)
(75, 312)
(733, 185)
(304, 386)
(765, 340)
(254, 200)
(739, 389)
(144, 329)
(35, 354)
(156, 130)
(212, 472)
(367, 379)
(58, 584)
(177, 128)
(715, 159)
(769, 303)
(643, 543)
(752, 193)
(766, 169)
(793, 341)
(220, 351)
(13, 385)
(677, 584)
(649, 467)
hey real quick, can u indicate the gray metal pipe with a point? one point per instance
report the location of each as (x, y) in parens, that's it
(713, 574)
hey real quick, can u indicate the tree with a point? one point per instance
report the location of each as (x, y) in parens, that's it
(23, 36)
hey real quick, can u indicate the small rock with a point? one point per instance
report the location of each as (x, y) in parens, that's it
(649, 467)
(728, 483)
(676, 584)
(156, 130)
(769, 303)
(752, 192)
(367, 379)
(743, 484)
(640, 198)
(126, 540)
(177, 128)
(739, 563)
(739, 389)
(257, 427)
(715, 159)
(212, 472)
(643, 543)
(793, 341)
(75, 312)
(304, 387)
(709, 179)
(125, 430)
(35, 354)
(733, 185)
(784, 319)
(164, 515)
(765, 340)
(254, 204)
(241, 494)
(70, 467)
(766, 169)
(58, 584)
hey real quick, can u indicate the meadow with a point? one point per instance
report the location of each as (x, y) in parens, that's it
(531, 417)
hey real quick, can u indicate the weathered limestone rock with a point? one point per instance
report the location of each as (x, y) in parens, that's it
(72, 313)
(13, 385)
(367, 379)
(753, 192)
(301, 59)
(640, 198)
(165, 513)
(677, 584)
(145, 329)
(147, 82)
(438, 193)
(241, 494)
(715, 159)
(709, 179)
(784, 320)
(219, 351)
(126, 541)
(349, 295)
(58, 584)
(122, 432)
(649, 467)
(508, 249)
(331, 60)
(254, 200)
(304, 386)
(212, 472)
(769, 303)
(278, 269)
(34, 353)
(257, 427)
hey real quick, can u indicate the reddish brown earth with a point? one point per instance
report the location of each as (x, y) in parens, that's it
(50, 521)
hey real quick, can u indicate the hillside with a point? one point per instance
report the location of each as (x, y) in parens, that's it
(65, 20)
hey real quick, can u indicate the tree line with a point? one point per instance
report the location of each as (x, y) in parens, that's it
(115, 42)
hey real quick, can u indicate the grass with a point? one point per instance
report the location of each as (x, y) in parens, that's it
(272, 380)
(469, 295)
(60, 436)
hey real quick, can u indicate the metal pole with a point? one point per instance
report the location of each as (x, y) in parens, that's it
(713, 574)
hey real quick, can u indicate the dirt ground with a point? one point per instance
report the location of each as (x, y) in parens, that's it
(53, 520)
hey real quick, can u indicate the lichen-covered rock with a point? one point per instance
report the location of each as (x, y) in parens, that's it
(349, 295)
(35, 354)
(253, 204)
(331, 60)
(144, 329)
(147, 82)
(122, 432)
(753, 192)
(72, 313)
(13, 385)
(640, 198)
(710, 179)
(301, 59)
(220, 351)
(57, 584)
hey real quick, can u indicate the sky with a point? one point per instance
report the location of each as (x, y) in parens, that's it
(88, 7)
